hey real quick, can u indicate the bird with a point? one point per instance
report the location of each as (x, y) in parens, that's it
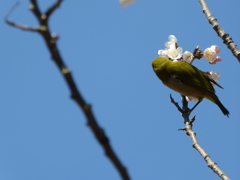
(187, 80)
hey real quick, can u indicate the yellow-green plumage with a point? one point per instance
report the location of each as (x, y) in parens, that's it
(187, 80)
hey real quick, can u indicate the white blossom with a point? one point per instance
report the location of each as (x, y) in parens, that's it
(174, 53)
(214, 75)
(187, 57)
(210, 54)
(217, 59)
(163, 53)
(215, 48)
(172, 40)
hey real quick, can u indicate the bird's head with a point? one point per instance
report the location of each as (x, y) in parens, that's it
(159, 62)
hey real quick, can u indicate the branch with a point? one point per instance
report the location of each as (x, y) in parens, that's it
(52, 9)
(50, 41)
(220, 32)
(22, 27)
(176, 104)
(34, 7)
(212, 165)
(19, 26)
(184, 110)
(189, 123)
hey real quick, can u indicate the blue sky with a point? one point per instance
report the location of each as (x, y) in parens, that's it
(43, 134)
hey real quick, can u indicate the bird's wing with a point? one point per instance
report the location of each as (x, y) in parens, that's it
(192, 76)
(210, 79)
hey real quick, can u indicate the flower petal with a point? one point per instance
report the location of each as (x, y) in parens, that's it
(172, 40)
(215, 75)
(187, 57)
(210, 55)
(163, 53)
(215, 48)
(174, 53)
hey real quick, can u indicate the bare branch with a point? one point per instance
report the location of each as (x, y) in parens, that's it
(220, 32)
(176, 104)
(212, 165)
(53, 8)
(35, 9)
(22, 27)
(50, 41)
(11, 10)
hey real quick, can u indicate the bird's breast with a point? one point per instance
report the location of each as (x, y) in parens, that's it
(183, 88)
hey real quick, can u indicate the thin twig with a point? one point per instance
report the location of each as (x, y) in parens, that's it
(11, 10)
(75, 93)
(11, 23)
(196, 54)
(23, 27)
(53, 7)
(176, 104)
(212, 165)
(220, 32)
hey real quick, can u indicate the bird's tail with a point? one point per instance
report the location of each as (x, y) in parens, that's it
(223, 109)
(214, 99)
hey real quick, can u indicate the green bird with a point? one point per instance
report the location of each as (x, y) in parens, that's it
(187, 80)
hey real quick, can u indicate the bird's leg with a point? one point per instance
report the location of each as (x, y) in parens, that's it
(184, 110)
(195, 106)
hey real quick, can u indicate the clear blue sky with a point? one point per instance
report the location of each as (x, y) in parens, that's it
(43, 134)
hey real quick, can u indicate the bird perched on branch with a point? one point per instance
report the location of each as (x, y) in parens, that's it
(187, 80)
